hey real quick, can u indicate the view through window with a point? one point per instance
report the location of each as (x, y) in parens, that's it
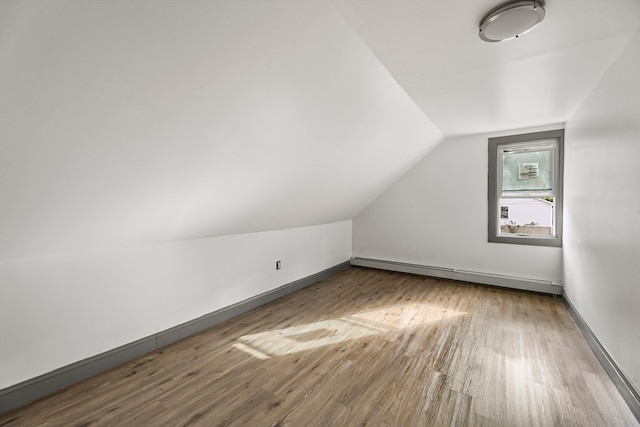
(525, 188)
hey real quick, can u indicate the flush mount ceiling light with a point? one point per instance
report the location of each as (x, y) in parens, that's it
(511, 20)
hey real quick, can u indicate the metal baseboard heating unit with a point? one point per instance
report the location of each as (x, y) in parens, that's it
(521, 283)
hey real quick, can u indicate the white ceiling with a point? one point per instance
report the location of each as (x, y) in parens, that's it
(465, 85)
(137, 121)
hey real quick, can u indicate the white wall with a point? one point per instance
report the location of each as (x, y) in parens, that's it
(602, 211)
(56, 310)
(436, 215)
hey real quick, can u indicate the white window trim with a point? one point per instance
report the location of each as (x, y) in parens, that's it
(494, 189)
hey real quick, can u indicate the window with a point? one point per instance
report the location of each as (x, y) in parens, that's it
(525, 188)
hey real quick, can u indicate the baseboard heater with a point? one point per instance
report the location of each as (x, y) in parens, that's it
(521, 283)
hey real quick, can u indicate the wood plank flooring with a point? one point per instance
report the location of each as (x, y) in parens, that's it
(363, 348)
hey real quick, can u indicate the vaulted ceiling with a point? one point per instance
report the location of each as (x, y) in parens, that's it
(135, 122)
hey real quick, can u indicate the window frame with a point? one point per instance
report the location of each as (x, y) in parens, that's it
(495, 185)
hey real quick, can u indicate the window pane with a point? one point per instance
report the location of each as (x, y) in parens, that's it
(527, 170)
(526, 216)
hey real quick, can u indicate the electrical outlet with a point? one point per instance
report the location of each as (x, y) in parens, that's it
(278, 265)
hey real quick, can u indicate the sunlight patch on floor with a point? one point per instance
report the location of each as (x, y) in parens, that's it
(280, 342)
(407, 315)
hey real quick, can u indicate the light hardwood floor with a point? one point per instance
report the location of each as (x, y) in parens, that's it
(364, 347)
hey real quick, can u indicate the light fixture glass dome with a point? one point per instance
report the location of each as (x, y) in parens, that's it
(511, 20)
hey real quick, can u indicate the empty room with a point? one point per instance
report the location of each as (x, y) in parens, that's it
(319, 213)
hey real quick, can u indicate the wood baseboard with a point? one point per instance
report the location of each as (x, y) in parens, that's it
(622, 383)
(35, 388)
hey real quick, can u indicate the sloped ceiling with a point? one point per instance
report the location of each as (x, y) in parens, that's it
(137, 121)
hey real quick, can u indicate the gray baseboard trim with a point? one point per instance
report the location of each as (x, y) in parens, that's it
(35, 388)
(511, 282)
(624, 386)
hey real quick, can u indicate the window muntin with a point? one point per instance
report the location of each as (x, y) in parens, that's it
(525, 188)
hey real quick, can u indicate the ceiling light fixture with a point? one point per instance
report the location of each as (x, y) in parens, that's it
(511, 20)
